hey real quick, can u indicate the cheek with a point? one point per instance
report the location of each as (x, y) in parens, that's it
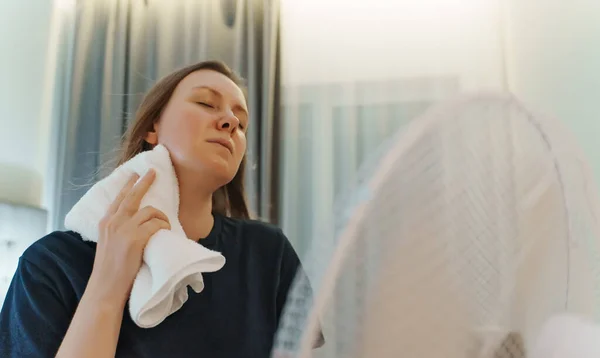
(241, 145)
(192, 121)
(180, 127)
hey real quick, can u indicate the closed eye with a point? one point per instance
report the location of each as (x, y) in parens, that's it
(205, 104)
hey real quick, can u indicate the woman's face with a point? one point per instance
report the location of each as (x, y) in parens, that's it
(204, 125)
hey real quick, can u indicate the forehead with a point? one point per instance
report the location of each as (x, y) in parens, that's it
(215, 80)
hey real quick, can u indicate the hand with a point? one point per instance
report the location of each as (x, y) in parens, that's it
(124, 233)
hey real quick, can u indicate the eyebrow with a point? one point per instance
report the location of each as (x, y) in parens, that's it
(214, 91)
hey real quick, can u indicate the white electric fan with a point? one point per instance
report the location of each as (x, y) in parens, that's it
(470, 234)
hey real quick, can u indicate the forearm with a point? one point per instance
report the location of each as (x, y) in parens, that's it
(94, 330)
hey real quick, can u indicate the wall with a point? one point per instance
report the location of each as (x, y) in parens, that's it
(350, 40)
(24, 26)
(555, 63)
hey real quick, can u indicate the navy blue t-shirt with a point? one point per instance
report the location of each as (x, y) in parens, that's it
(235, 316)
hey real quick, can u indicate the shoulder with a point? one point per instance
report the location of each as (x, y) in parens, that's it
(54, 268)
(42, 296)
(59, 248)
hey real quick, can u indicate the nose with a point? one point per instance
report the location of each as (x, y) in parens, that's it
(228, 122)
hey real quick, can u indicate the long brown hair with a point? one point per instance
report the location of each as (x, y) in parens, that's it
(229, 200)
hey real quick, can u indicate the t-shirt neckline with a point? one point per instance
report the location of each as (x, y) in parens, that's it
(211, 239)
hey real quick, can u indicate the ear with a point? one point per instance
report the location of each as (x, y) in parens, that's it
(152, 136)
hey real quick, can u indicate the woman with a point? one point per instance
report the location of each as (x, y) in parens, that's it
(68, 297)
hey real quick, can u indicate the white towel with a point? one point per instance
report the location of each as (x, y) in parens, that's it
(171, 261)
(568, 336)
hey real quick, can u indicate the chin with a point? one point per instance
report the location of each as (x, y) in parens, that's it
(222, 171)
(218, 169)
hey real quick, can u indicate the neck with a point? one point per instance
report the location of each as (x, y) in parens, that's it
(195, 208)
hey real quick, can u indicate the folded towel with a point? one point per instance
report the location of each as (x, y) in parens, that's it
(171, 261)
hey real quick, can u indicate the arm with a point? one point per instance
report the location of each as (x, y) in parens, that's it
(124, 232)
(94, 330)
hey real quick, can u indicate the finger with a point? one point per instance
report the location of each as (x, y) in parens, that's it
(151, 227)
(114, 206)
(148, 213)
(131, 202)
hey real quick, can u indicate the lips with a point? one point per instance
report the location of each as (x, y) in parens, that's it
(224, 142)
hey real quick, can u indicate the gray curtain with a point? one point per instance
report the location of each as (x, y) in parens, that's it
(113, 52)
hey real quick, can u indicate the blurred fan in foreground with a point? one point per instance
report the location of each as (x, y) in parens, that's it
(471, 232)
